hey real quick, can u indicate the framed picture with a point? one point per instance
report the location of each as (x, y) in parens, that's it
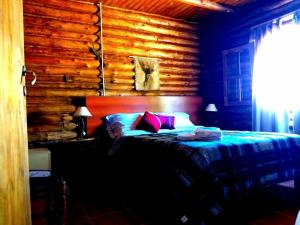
(146, 73)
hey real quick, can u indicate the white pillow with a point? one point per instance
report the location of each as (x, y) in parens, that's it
(119, 123)
(182, 119)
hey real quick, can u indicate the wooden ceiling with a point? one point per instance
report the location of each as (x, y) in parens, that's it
(180, 9)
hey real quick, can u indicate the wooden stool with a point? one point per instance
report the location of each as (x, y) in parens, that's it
(48, 198)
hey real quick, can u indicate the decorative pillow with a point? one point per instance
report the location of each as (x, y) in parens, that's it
(149, 122)
(136, 122)
(167, 122)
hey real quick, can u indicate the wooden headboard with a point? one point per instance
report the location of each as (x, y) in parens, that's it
(102, 106)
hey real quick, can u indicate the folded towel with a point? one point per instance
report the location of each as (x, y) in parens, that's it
(187, 137)
(209, 132)
(202, 134)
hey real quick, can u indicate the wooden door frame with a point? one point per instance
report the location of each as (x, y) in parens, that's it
(14, 175)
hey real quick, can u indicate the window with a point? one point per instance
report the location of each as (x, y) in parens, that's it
(276, 80)
(237, 72)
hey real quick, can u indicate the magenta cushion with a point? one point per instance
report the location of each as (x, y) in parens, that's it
(149, 122)
(167, 122)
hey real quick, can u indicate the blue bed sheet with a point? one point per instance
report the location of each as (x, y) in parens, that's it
(205, 176)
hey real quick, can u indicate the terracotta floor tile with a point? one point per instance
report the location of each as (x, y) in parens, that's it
(95, 211)
(76, 215)
(116, 217)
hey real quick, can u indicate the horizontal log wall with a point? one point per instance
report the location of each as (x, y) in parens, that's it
(58, 34)
(235, 32)
(177, 45)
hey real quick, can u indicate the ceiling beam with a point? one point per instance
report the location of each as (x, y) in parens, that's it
(207, 5)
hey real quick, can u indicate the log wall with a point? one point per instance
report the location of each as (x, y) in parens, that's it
(58, 34)
(235, 32)
(177, 45)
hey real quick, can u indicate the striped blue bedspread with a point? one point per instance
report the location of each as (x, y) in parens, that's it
(211, 173)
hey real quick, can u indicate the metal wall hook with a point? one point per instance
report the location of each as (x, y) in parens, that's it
(34, 78)
(23, 79)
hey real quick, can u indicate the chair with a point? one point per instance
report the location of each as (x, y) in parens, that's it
(48, 191)
(48, 198)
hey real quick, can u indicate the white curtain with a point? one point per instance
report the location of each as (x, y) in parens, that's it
(276, 77)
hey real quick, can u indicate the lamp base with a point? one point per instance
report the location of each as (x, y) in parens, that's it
(82, 134)
(211, 119)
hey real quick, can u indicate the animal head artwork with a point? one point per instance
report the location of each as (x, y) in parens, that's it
(148, 70)
(146, 74)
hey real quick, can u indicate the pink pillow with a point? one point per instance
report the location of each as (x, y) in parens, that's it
(149, 122)
(136, 122)
(167, 122)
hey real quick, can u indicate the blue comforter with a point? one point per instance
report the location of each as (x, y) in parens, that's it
(205, 177)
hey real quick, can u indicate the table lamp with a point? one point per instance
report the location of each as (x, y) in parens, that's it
(211, 108)
(82, 112)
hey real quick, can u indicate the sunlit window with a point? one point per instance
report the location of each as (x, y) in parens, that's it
(276, 72)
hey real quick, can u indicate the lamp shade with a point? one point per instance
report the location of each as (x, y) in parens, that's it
(211, 108)
(82, 111)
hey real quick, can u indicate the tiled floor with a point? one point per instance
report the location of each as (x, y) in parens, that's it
(95, 212)
(279, 217)
(98, 210)
(278, 206)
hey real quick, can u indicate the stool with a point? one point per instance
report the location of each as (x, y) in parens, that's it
(48, 198)
(39, 159)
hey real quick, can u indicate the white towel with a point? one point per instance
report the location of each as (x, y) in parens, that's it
(187, 137)
(202, 134)
(210, 133)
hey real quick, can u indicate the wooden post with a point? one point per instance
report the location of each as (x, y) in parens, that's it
(14, 172)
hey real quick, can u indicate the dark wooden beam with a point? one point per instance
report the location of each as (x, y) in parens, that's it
(207, 5)
(251, 14)
(256, 14)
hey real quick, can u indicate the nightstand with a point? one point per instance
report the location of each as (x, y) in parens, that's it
(79, 161)
(69, 154)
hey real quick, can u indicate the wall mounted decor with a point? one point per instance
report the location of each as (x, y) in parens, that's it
(146, 73)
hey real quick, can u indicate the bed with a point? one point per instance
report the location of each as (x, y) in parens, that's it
(190, 181)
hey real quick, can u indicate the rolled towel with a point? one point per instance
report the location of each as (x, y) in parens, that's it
(187, 137)
(202, 134)
(209, 133)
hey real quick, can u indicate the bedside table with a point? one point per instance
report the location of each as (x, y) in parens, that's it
(78, 140)
(79, 161)
(64, 152)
